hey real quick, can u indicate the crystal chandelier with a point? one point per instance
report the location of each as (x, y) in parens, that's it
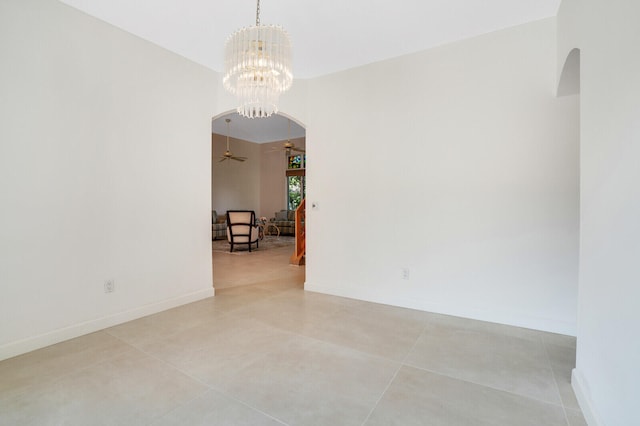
(258, 67)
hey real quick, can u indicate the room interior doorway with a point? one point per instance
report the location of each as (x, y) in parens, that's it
(270, 179)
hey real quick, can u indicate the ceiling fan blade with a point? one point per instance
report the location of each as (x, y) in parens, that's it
(223, 158)
(241, 159)
(298, 149)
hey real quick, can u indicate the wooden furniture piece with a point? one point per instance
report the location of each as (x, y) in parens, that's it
(297, 258)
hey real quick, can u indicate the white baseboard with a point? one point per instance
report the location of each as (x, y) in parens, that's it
(506, 317)
(581, 389)
(23, 346)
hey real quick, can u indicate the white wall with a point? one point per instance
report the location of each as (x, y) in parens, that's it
(468, 177)
(257, 184)
(607, 377)
(104, 174)
(236, 185)
(458, 163)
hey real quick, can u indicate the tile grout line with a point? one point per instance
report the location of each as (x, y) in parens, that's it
(195, 379)
(439, 373)
(134, 349)
(90, 365)
(540, 340)
(173, 367)
(224, 394)
(212, 390)
(555, 380)
(402, 364)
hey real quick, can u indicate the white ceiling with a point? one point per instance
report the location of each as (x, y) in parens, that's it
(327, 35)
(258, 130)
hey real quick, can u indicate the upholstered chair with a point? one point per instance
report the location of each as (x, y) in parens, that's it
(242, 228)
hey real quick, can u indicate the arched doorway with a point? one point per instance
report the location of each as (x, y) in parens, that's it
(254, 176)
(569, 85)
(569, 82)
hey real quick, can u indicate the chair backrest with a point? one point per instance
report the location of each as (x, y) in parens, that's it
(240, 223)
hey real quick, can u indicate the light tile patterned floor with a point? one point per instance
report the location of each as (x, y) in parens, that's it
(264, 352)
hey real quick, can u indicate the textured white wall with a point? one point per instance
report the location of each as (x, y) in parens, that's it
(458, 163)
(104, 174)
(236, 185)
(607, 377)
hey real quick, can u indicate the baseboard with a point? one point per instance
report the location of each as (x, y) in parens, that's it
(506, 317)
(20, 347)
(581, 389)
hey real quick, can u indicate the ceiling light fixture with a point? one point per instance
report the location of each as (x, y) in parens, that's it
(288, 146)
(258, 67)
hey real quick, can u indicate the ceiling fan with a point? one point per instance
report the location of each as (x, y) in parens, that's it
(288, 146)
(227, 154)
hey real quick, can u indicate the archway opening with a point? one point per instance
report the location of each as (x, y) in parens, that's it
(569, 83)
(251, 170)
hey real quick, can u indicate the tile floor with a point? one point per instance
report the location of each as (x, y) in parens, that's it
(264, 352)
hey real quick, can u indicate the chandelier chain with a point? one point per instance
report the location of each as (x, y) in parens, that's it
(258, 14)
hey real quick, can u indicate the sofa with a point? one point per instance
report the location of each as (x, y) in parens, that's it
(218, 226)
(285, 220)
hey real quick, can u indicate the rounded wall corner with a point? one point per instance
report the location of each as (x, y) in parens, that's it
(569, 79)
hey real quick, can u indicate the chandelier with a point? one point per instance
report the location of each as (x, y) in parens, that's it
(258, 67)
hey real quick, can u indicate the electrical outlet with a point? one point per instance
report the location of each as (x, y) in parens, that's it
(405, 273)
(109, 286)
